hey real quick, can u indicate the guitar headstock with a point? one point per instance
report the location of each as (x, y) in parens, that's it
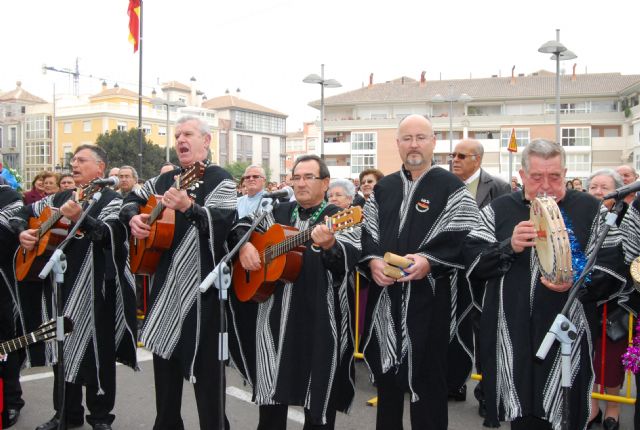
(190, 180)
(345, 219)
(47, 330)
(85, 193)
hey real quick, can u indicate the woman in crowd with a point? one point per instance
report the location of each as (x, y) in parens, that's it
(37, 190)
(601, 183)
(368, 179)
(50, 183)
(341, 193)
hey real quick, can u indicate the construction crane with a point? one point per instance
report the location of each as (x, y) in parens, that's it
(75, 73)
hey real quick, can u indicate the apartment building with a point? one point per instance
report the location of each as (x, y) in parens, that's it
(600, 119)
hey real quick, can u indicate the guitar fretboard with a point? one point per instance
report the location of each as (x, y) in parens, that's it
(20, 342)
(45, 226)
(288, 244)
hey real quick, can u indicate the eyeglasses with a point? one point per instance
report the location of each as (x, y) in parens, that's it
(256, 177)
(461, 156)
(306, 178)
(82, 160)
(368, 181)
(420, 138)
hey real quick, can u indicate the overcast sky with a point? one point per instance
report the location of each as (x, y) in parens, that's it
(267, 47)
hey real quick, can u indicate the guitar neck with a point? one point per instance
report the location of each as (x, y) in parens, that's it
(18, 343)
(46, 226)
(290, 243)
(155, 213)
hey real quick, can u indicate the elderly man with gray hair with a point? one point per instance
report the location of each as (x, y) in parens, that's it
(520, 305)
(341, 193)
(253, 179)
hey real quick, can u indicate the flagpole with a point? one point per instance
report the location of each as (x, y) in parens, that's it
(140, 137)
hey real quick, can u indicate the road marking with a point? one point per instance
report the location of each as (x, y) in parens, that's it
(143, 355)
(245, 396)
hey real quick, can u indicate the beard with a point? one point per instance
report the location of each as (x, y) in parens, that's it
(415, 160)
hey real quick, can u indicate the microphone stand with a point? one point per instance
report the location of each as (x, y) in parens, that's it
(58, 263)
(220, 277)
(562, 329)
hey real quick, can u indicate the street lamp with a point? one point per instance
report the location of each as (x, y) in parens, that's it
(451, 98)
(560, 53)
(168, 104)
(329, 83)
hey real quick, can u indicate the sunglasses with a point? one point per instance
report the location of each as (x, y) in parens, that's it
(460, 155)
(368, 181)
(256, 177)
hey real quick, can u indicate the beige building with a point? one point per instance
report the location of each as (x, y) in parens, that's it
(600, 119)
(250, 133)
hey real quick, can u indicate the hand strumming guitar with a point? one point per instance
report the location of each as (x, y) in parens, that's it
(249, 257)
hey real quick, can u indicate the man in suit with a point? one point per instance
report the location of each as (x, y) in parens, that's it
(466, 162)
(466, 165)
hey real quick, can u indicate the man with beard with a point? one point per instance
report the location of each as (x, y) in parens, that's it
(98, 295)
(296, 347)
(423, 213)
(181, 327)
(520, 305)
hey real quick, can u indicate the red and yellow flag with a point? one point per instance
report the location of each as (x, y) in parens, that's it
(134, 23)
(513, 146)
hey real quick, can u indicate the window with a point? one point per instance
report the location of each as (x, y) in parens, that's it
(258, 122)
(504, 162)
(579, 107)
(484, 134)
(522, 137)
(86, 126)
(612, 132)
(364, 141)
(266, 151)
(484, 110)
(245, 148)
(1, 136)
(578, 136)
(361, 162)
(67, 127)
(13, 137)
(146, 129)
(162, 131)
(580, 162)
(122, 126)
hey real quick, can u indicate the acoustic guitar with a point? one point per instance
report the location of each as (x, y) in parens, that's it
(281, 248)
(52, 228)
(145, 253)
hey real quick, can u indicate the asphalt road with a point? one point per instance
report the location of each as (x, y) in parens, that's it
(135, 403)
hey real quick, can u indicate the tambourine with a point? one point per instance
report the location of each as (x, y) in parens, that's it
(552, 246)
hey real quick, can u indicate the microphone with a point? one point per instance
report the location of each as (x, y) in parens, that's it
(111, 180)
(285, 192)
(622, 192)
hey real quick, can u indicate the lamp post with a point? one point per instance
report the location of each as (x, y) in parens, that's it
(451, 98)
(329, 83)
(168, 104)
(560, 53)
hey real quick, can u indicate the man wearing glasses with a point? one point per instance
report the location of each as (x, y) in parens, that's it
(295, 348)
(253, 179)
(466, 161)
(421, 212)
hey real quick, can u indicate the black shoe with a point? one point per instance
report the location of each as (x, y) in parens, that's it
(482, 408)
(12, 417)
(596, 419)
(610, 423)
(52, 424)
(101, 426)
(459, 395)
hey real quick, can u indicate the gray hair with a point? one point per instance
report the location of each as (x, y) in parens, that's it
(617, 179)
(346, 185)
(544, 149)
(134, 172)
(256, 166)
(202, 124)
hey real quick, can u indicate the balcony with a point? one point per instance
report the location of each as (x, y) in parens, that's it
(337, 148)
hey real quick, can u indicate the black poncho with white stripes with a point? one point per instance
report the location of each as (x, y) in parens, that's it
(407, 325)
(517, 311)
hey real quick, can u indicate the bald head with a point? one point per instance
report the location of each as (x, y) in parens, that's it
(628, 174)
(467, 158)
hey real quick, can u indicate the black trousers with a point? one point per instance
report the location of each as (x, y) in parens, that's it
(530, 423)
(168, 377)
(274, 417)
(427, 413)
(12, 388)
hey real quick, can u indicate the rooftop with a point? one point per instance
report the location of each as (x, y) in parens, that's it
(537, 85)
(20, 95)
(229, 102)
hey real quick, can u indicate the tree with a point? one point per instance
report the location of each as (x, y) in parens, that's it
(237, 169)
(122, 149)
